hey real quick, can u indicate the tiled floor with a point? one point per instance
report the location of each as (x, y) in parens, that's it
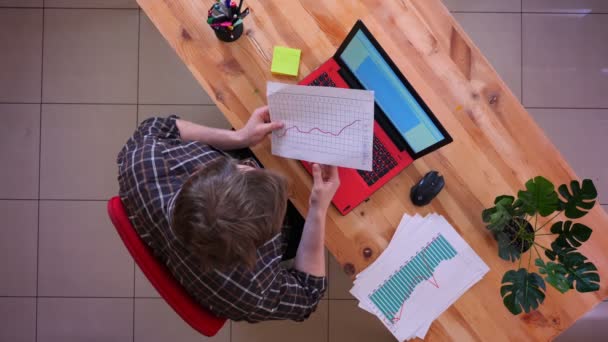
(77, 76)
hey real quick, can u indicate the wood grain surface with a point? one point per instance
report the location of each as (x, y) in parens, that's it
(497, 145)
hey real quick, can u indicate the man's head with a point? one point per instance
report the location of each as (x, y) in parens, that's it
(225, 211)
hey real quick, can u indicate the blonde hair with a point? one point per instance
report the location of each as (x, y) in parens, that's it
(223, 214)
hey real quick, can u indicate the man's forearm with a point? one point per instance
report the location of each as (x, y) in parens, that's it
(222, 139)
(310, 257)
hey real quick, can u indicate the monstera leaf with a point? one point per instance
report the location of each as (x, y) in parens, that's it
(555, 274)
(558, 250)
(506, 207)
(522, 290)
(571, 234)
(539, 196)
(581, 275)
(580, 201)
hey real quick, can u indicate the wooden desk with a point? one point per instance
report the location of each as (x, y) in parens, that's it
(497, 145)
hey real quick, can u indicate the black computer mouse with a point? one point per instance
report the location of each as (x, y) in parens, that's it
(429, 186)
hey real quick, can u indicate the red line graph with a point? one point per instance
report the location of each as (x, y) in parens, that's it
(433, 282)
(316, 129)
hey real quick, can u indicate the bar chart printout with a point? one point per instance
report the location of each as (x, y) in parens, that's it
(426, 267)
(391, 298)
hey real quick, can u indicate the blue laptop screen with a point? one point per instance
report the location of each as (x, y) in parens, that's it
(395, 100)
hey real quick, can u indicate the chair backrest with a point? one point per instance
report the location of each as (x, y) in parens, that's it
(163, 281)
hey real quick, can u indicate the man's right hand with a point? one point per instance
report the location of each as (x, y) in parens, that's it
(326, 183)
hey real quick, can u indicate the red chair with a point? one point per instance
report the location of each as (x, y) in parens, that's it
(172, 292)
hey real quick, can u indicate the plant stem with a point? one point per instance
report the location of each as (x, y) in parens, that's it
(541, 246)
(535, 220)
(536, 249)
(544, 234)
(551, 219)
(529, 261)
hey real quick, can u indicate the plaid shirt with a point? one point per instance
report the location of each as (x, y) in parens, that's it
(153, 165)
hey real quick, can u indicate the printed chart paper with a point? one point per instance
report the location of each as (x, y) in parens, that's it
(332, 126)
(424, 270)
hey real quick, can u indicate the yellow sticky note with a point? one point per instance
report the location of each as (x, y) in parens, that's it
(285, 61)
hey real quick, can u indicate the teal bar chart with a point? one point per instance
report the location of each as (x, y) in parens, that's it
(392, 295)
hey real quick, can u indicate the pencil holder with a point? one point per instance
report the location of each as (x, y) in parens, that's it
(228, 36)
(226, 19)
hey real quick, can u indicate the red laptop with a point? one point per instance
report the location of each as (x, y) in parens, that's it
(405, 129)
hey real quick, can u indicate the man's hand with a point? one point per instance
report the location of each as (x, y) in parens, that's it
(258, 127)
(326, 183)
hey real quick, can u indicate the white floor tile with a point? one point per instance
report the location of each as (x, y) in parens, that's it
(20, 3)
(564, 60)
(19, 150)
(347, 322)
(21, 56)
(90, 56)
(593, 327)
(79, 148)
(18, 319)
(484, 5)
(581, 136)
(339, 283)
(313, 329)
(85, 319)
(143, 288)
(91, 3)
(155, 321)
(18, 247)
(566, 6)
(81, 253)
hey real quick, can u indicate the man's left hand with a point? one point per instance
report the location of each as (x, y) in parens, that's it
(258, 127)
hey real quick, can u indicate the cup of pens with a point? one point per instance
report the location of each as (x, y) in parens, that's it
(226, 19)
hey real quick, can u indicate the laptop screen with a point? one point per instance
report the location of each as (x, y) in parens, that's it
(391, 95)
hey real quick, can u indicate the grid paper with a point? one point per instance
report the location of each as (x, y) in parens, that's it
(330, 126)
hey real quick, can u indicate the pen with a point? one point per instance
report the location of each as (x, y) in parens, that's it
(222, 24)
(244, 14)
(238, 11)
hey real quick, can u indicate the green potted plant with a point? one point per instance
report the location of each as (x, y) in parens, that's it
(514, 223)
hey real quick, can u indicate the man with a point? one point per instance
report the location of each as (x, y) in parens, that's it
(216, 222)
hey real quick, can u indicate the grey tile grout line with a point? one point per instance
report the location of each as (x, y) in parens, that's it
(39, 173)
(111, 104)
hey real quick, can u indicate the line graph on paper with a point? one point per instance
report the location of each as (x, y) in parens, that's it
(310, 131)
(324, 125)
(392, 296)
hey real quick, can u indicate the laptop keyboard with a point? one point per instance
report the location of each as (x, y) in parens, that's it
(382, 164)
(323, 81)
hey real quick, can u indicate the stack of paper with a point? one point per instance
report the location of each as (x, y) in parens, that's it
(424, 270)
